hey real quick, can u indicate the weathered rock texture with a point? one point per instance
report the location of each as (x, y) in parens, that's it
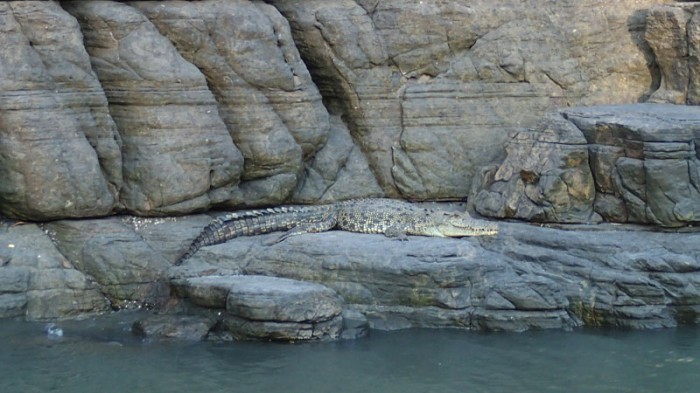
(431, 89)
(645, 161)
(158, 108)
(526, 277)
(265, 94)
(129, 274)
(673, 33)
(165, 108)
(544, 177)
(625, 163)
(176, 149)
(59, 149)
(270, 308)
(38, 282)
(205, 104)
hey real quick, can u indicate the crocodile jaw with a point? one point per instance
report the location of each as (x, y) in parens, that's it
(468, 231)
(466, 227)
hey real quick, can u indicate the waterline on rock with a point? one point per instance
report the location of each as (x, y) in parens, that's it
(103, 355)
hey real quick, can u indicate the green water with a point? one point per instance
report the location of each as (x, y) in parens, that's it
(102, 356)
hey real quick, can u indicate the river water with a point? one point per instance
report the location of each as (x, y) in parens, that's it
(101, 355)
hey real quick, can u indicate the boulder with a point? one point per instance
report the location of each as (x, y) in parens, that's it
(544, 177)
(635, 163)
(178, 327)
(673, 34)
(269, 308)
(646, 164)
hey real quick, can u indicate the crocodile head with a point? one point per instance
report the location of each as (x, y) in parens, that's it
(449, 224)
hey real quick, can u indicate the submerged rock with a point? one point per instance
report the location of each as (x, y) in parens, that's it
(181, 327)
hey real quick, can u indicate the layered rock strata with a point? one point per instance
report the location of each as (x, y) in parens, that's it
(167, 108)
(527, 277)
(178, 154)
(430, 90)
(158, 108)
(180, 112)
(59, 148)
(269, 308)
(635, 163)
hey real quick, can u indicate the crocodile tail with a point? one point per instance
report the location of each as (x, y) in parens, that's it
(246, 223)
(209, 235)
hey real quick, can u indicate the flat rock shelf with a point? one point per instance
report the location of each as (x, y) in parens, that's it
(526, 277)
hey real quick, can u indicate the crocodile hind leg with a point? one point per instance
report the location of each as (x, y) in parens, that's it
(311, 227)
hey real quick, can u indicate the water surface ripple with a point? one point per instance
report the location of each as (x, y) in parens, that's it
(102, 356)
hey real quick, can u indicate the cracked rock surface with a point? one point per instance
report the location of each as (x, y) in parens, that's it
(115, 111)
(636, 163)
(160, 108)
(526, 277)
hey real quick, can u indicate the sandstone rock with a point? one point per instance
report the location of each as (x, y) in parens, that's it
(625, 163)
(236, 46)
(37, 282)
(244, 329)
(355, 325)
(164, 235)
(271, 308)
(339, 171)
(207, 291)
(128, 270)
(526, 277)
(59, 150)
(545, 176)
(425, 94)
(12, 305)
(651, 165)
(673, 34)
(428, 93)
(431, 90)
(181, 327)
(14, 281)
(279, 299)
(667, 36)
(153, 91)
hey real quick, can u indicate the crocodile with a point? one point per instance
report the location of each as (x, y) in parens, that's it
(391, 217)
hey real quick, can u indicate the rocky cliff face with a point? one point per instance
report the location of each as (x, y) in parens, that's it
(111, 111)
(157, 108)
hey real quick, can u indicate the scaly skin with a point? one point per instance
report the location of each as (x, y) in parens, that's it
(390, 217)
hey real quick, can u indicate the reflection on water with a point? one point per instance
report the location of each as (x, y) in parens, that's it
(102, 356)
